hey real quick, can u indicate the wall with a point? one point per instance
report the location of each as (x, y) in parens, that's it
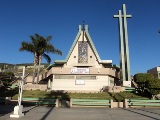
(80, 85)
(154, 72)
(35, 87)
(92, 70)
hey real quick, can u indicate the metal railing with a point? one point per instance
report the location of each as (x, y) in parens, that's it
(89, 102)
(39, 101)
(136, 102)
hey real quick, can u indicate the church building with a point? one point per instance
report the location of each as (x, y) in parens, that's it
(82, 70)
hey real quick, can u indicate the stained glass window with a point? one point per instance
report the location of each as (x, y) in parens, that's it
(82, 52)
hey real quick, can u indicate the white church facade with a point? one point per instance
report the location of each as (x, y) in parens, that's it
(82, 70)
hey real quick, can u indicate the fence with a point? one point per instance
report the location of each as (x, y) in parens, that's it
(129, 89)
(143, 103)
(39, 101)
(89, 102)
(83, 102)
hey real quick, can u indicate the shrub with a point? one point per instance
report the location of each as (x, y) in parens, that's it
(142, 78)
(9, 73)
(154, 86)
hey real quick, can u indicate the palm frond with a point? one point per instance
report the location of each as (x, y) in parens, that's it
(50, 48)
(47, 57)
(26, 46)
(39, 46)
(48, 38)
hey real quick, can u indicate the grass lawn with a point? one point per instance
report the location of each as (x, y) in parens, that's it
(44, 94)
(119, 97)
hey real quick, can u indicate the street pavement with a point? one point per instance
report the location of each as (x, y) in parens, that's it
(51, 113)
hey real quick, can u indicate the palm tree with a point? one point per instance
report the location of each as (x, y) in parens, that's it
(39, 46)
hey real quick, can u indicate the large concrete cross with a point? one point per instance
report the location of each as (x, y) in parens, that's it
(124, 49)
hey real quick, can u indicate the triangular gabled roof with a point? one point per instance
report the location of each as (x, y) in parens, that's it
(92, 45)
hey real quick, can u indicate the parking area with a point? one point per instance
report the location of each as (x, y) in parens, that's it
(51, 113)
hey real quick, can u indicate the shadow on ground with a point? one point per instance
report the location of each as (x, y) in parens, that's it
(146, 115)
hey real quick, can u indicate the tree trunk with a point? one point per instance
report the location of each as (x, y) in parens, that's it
(39, 66)
(153, 97)
(34, 69)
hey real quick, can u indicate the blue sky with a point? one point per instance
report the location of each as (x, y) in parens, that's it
(60, 18)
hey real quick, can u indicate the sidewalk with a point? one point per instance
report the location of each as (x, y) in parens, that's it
(51, 113)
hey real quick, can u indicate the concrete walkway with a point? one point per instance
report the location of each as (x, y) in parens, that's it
(51, 113)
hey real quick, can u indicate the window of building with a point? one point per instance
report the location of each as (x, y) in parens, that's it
(63, 77)
(86, 77)
(82, 52)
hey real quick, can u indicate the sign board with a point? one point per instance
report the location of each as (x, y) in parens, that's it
(79, 70)
(80, 82)
(127, 83)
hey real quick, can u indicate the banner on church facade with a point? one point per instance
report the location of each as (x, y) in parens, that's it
(79, 70)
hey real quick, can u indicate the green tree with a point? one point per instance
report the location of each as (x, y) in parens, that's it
(142, 78)
(154, 87)
(6, 78)
(39, 46)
